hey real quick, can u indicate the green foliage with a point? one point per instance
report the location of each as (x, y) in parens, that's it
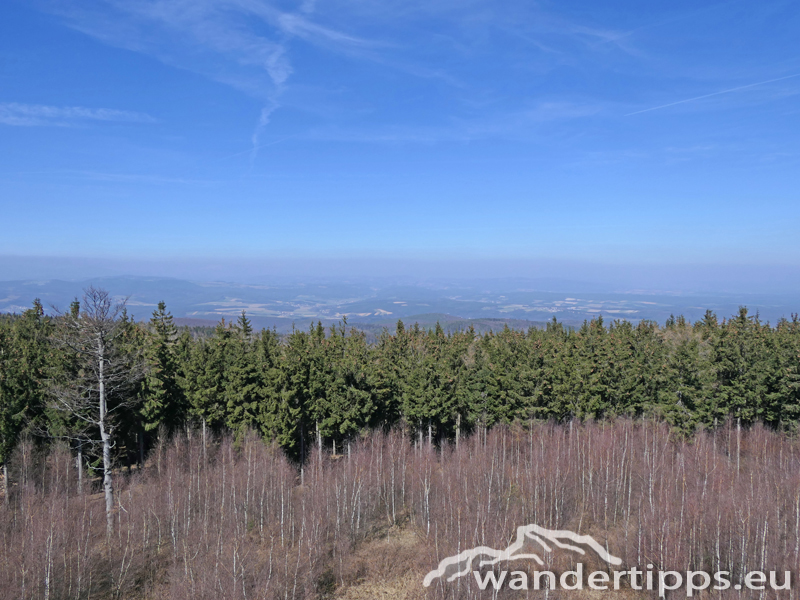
(25, 362)
(243, 382)
(333, 384)
(164, 398)
(205, 377)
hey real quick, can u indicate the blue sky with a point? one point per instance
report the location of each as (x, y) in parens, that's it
(621, 133)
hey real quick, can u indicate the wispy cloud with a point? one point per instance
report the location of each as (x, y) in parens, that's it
(61, 175)
(261, 124)
(728, 91)
(13, 113)
(595, 37)
(255, 46)
(208, 37)
(136, 178)
(240, 43)
(300, 26)
(531, 123)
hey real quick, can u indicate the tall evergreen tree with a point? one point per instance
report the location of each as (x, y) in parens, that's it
(27, 362)
(244, 391)
(345, 404)
(207, 378)
(738, 357)
(164, 399)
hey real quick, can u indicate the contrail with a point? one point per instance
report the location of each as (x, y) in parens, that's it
(263, 121)
(736, 89)
(251, 150)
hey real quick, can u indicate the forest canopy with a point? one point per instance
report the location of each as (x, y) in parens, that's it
(329, 385)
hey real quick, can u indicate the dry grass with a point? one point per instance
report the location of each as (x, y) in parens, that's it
(371, 525)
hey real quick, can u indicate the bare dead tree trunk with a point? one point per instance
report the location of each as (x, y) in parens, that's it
(302, 454)
(105, 437)
(140, 438)
(5, 482)
(458, 428)
(738, 444)
(204, 442)
(79, 466)
(319, 443)
(102, 382)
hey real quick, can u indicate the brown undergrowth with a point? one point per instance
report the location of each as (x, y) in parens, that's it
(237, 520)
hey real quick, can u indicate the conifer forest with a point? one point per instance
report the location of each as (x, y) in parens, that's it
(147, 460)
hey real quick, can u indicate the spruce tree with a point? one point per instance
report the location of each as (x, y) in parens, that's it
(27, 363)
(164, 399)
(243, 385)
(289, 424)
(206, 378)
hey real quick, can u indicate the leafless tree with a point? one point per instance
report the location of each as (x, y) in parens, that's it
(99, 385)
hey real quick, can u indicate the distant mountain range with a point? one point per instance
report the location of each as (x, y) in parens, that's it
(373, 306)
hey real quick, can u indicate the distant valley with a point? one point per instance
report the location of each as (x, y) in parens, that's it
(373, 305)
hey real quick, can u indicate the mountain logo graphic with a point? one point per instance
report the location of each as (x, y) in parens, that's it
(543, 542)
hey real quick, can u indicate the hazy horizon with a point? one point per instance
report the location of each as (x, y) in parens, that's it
(373, 303)
(568, 275)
